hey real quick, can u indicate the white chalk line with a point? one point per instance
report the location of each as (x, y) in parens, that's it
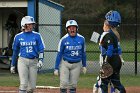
(47, 87)
(16, 92)
(37, 87)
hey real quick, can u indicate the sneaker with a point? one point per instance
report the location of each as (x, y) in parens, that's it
(95, 89)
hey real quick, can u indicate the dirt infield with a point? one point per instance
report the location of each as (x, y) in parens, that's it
(15, 90)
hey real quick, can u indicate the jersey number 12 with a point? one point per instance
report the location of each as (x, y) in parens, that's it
(29, 49)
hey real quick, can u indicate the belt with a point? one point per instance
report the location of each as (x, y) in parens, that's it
(30, 58)
(73, 62)
(33, 58)
(115, 54)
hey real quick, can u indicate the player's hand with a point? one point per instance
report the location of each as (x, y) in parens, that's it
(84, 70)
(56, 72)
(122, 60)
(40, 64)
(12, 69)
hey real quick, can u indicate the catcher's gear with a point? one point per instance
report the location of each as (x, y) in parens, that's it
(101, 60)
(13, 69)
(96, 89)
(106, 70)
(114, 18)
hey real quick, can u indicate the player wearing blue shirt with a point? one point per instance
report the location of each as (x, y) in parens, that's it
(28, 46)
(110, 51)
(71, 56)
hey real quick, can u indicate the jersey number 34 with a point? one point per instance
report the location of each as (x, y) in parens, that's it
(74, 53)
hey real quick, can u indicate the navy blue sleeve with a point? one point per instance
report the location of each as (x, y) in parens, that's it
(15, 48)
(14, 57)
(109, 51)
(59, 54)
(103, 50)
(16, 44)
(109, 42)
(58, 60)
(119, 50)
(84, 55)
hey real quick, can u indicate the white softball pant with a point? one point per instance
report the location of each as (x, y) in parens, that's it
(27, 69)
(69, 74)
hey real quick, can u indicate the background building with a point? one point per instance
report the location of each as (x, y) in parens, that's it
(45, 12)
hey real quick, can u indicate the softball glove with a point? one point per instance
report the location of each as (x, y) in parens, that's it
(106, 70)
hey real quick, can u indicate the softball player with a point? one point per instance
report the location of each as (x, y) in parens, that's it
(28, 46)
(96, 87)
(109, 51)
(72, 51)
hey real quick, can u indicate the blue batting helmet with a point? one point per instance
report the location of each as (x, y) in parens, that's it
(113, 17)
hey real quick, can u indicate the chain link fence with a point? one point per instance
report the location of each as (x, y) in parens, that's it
(52, 30)
(128, 44)
(51, 25)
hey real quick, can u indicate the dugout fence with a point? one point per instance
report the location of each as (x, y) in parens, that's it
(129, 32)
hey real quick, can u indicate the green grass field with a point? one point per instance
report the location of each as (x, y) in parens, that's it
(48, 79)
(126, 45)
(85, 81)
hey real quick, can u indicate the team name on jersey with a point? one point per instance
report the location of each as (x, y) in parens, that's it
(74, 47)
(31, 43)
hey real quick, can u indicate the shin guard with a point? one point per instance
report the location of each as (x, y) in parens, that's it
(73, 90)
